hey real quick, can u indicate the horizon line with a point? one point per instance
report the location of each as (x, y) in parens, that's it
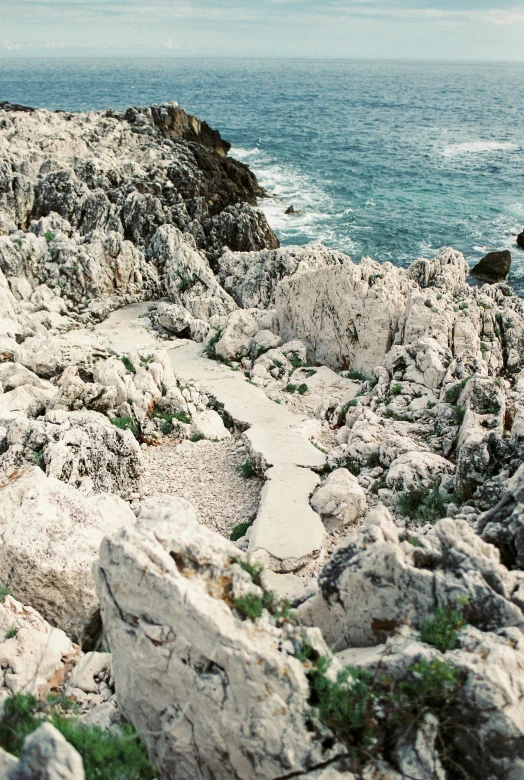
(72, 57)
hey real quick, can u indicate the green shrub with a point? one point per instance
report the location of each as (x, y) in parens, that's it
(310, 372)
(127, 363)
(441, 631)
(459, 415)
(49, 236)
(210, 348)
(246, 469)
(184, 282)
(347, 406)
(380, 484)
(126, 424)
(253, 569)
(452, 395)
(395, 390)
(295, 361)
(358, 376)
(290, 388)
(11, 632)
(431, 404)
(422, 505)
(145, 361)
(302, 389)
(196, 437)
(251, 606)
(353, 466)
(4, 446)
(105, 755)
(239, 530)
(38, 458)
(4, 591)
(483, 348)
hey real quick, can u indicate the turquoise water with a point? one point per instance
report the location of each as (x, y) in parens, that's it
(390, 160)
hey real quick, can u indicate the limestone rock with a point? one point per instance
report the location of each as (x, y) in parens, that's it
(37, 658)
(347, 315)
(417, 469)
(340, 500)
(211, 694)
(374, 582)
(240, 228)
(447, 271)
(237, 337)
(50, 536)
(209, 425)
(47, 755)
(251, 278)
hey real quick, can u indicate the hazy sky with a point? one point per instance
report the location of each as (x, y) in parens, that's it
(424, 29)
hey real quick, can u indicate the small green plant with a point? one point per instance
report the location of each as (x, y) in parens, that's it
(295, 360)
(463, 305)
(357, 376)
(38, 458)
(196, 437)
(104, 754)
(246, 469)
(261, 350)
(431, 404)
(309, 372)
(484, 349)
(349, 405)
(428, 303)
(439, 297)
(11, 632)
(459, 415)
(164, 390)
(395, 390)
(210, 348)
(127, 363)
(391, 415)
(4, 591)
(4, 446)
(373, 278)
(239, 530)
(145, 361)
(434, 310)
(253, 569)
(380, 484)
(441, 631)
(126, 424)
(353, 466)
(49, 236)
(18, 242)
(302, 389)
(422, 505)
(413, 541)
(184, 282)
(290, 388)
(452, 394)
(251, 606)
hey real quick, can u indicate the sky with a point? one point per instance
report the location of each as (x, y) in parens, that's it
(482, 30)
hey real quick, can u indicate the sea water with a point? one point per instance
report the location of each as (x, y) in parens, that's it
(386, 159)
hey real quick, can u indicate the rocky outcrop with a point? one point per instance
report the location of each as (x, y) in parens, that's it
(365, 585)
(520, 240)
(212, 693)
(50, 536)
(47, 755)
(494, 266)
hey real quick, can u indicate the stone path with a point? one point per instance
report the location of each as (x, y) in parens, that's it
(286, 526)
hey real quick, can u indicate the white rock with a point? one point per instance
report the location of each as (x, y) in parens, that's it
(209, 425)
(340, 500)
(47, 755)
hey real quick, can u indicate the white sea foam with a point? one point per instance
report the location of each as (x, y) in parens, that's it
(478, 147)
(315, 210)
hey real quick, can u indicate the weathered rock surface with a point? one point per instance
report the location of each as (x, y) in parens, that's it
(212, 694)
(364, 585)
(50, 535)
(340, 500)
(495, 265)
(47, 755)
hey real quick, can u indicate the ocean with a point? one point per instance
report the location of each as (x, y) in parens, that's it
(390, 160)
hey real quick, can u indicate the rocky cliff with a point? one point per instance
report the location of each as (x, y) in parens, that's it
(283, 489)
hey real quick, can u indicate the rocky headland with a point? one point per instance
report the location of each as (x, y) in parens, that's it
(261, 508)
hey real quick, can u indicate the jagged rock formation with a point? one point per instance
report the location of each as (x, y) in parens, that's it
(353, 389)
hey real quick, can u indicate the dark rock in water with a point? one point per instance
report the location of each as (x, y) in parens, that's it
(520, 240)
(290, 210)
(495, 265)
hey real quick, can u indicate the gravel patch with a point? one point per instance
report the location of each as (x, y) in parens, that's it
(205, 473)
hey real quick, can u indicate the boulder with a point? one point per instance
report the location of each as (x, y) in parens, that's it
(36, 657)
(446, 272)
(251, 278)
(50, 535)
(340, 500)
(213, 695)
(417, 469)
(503, 524)
(236, 339)
(494, 266)
(375, 582)
(47, 755)
(209, 425)
(520, 240)
(346, 315)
